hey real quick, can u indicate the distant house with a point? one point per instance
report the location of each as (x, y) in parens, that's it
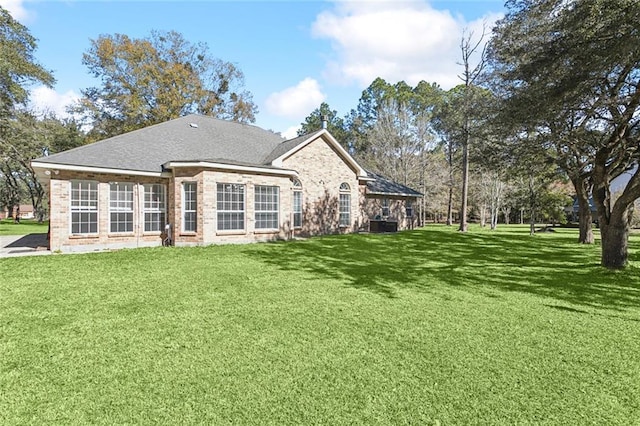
(197, 180)
(24, 211)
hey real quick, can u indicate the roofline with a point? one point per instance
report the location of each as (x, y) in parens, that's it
(397, 194)
(324, 132)
(233, 167)
(92, 169)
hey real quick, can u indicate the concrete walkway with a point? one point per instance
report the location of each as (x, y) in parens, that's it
(23, 245)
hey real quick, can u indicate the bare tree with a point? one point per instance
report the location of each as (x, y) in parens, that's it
(469, 77)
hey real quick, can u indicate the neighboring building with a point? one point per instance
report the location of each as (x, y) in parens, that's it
(212, 181)
(24, 211)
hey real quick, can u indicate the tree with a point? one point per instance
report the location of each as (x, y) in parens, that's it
(18, 67)
(580, 60)
(335, 124)
(470, 75)
(154, 79)
(29, 137)
(18, 70)
(398, 144)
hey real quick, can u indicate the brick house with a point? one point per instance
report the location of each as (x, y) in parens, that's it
(212, 181)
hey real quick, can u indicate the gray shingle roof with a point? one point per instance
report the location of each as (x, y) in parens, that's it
(288, 145)
(382, 185)
(175, 140)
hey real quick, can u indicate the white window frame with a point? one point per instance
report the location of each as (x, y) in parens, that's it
(86, 206)
(409, 208)
(121, 205)
(190, 206)
(155, 207)
(231, 207)
(297, 204)
(385, 208)
(344, 206)
(266, 207)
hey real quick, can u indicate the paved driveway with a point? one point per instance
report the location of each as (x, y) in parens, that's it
(23, 245)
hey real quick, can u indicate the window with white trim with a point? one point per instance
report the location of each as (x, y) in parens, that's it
(231, 207)
(409, 207)
(155, 207)
(345, 205)
(120, 207)
(385, 207)
(84, 207)
(267, 206)
(189, 207)
(297, 204)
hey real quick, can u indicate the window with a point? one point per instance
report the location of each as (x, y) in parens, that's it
(189, 206)
(84, 207)
(297, 204)
(155, 207)
(230, 205)
(345, 205)
(267, 206)
(121, 207)
(385, 207)
(409, 208)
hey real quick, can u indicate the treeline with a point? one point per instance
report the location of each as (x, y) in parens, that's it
(416, 136)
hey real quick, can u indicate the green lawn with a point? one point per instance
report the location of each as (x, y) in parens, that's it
(26, 226)
(423, 327)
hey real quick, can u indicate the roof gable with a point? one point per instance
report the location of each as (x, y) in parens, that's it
(288, 148)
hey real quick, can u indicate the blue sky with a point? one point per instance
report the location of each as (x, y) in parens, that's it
(294, 54)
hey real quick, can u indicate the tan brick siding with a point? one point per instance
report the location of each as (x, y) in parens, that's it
(372, 207)
(321, 171)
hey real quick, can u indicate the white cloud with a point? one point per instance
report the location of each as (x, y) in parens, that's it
(296, 102)
(16, 9)
(44, 99)
(291, 132)
(408, 41)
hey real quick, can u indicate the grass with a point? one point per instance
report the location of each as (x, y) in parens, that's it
(25, 227)
(423, 327)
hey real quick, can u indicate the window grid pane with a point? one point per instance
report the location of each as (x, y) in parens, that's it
(154, 207)
(385, 207)
(297, 209)
(84, 207)
(121, 207)
(230, 205)
(345, 209)
(189, 208)
(266, 206)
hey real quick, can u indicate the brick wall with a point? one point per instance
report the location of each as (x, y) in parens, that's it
(60, 214)
(321, 171)
(372, 207)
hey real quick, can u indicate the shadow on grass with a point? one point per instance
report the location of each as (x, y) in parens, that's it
(550, 265)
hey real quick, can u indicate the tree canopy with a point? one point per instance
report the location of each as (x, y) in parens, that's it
(150, 80)
(569, 71)
(18, 67)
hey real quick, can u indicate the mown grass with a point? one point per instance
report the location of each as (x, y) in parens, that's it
(423, 327)
(25, 227)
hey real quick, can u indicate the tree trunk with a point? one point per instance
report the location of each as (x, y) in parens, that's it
(451, 184)
(532, 222)
(506, 212)
(615, 239)
(585, 218)
(465, 187)
(615, 221)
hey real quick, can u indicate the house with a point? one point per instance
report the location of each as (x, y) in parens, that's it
(23, 211)
(198, 180)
